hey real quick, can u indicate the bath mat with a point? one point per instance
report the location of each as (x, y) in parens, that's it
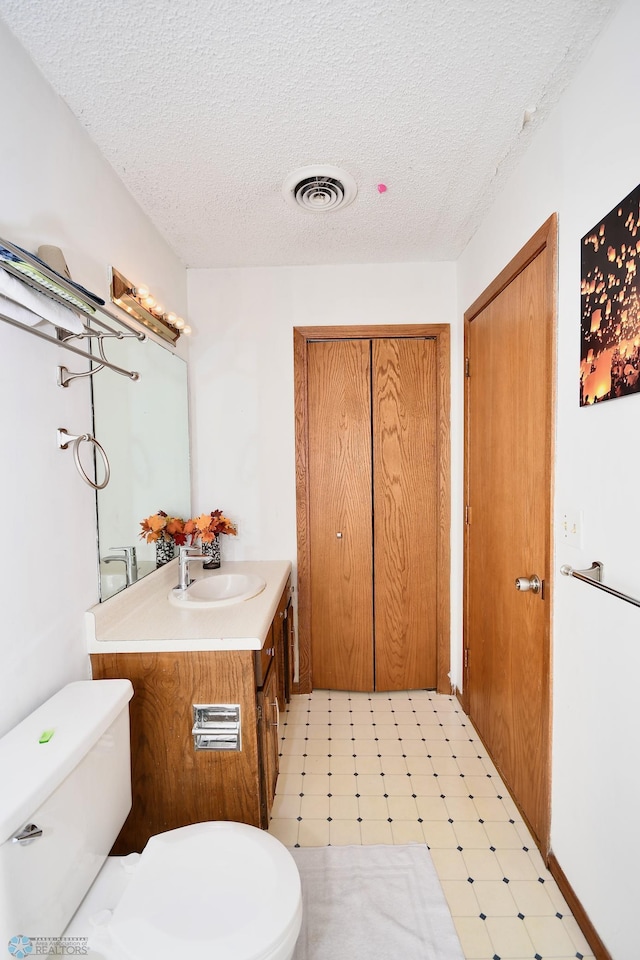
(373, 903)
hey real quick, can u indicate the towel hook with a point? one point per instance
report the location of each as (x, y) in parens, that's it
(65, 438)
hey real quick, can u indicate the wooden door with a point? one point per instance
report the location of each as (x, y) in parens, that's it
(373, 513)
(341, 550)
(509, 341)
(404, 512)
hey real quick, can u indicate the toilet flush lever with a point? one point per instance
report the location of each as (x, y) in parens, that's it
(31, 832)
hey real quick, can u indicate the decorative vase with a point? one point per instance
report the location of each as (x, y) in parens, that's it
(164, 551)
(212, 549)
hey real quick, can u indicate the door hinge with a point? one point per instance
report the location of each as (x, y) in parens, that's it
(259, 708)
(466, 658)
(466, 367)
(467, 513)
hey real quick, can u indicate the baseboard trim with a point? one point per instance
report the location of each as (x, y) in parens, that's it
(591, 934)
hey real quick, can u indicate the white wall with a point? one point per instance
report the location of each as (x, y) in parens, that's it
(241, 374)
(582, 162)
(57, 189)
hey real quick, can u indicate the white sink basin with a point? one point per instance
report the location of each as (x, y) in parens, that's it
(218, 590)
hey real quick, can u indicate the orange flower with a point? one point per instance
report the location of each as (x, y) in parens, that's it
(160, 525)
(202, 522)
(190, 529)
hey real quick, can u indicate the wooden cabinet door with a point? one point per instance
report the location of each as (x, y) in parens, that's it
(290, 665)
(281, 646)
(341, 549)
(269, 710)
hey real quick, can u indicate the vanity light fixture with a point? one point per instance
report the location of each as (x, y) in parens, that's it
(139, 303)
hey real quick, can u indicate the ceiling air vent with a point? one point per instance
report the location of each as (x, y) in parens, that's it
(319, 189)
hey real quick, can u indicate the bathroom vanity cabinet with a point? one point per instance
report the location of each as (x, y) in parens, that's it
(173, 783)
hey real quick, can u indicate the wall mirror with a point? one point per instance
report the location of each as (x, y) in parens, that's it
(144, 427)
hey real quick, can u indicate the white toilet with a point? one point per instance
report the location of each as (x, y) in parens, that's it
(220, 890)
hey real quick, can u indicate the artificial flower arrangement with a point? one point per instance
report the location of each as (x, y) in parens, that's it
(160, 526)
(207, 526)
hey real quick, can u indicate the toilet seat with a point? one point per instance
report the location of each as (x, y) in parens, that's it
(217, 890)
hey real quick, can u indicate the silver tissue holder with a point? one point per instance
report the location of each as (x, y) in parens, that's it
(216, 726)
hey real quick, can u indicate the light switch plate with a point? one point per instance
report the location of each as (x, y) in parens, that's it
(571, 525)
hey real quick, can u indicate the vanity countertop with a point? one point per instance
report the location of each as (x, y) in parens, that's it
(140, 619)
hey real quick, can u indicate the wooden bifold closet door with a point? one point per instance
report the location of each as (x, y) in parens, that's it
(372, 416)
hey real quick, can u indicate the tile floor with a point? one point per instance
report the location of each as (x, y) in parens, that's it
(410, 768)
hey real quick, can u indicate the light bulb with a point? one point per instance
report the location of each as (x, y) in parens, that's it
(186, 329)
(178, 323)
(149, 303)
(171, 318)
(141, 292)
(158, 309)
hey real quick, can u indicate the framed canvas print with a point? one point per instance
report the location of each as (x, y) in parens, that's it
(610, 336)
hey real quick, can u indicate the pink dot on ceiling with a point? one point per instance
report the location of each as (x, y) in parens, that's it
(382, 188)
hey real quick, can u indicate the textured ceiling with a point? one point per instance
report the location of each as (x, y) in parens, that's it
(204, 107)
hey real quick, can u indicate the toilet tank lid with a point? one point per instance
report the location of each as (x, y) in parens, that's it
(38, 754)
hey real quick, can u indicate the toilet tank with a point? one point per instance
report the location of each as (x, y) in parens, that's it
(66, 769)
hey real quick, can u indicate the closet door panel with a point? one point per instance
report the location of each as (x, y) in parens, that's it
(405, 512)
(340, 541)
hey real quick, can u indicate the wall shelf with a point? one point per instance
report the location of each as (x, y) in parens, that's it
(96, 319)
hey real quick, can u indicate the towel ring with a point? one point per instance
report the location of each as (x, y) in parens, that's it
(65, 438)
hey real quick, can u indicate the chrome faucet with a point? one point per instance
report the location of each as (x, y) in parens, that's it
(186, 556)
(130, 560)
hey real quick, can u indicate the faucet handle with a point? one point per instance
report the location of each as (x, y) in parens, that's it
(187, 551)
